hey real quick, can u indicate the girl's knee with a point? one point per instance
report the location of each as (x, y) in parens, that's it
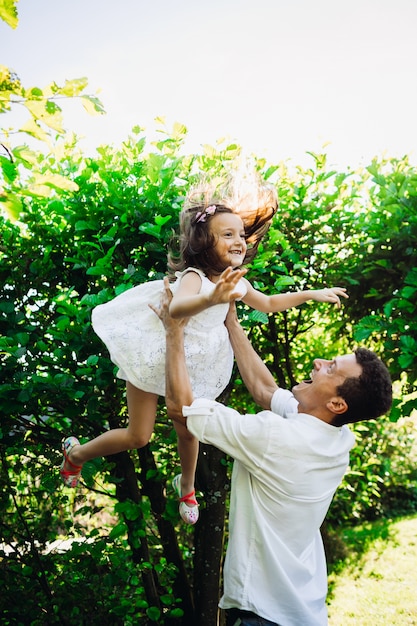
(138, 440)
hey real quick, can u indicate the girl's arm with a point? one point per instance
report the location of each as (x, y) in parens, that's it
(283, 301)
(187, 301)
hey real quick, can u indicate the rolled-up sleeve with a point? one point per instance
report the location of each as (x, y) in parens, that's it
(283, 403)
(244, 437)
(206, 419)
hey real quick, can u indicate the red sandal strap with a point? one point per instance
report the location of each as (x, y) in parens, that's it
(68, 473)
(189, 499)
(77, 468)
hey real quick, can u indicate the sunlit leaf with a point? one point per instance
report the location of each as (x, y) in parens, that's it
(92, 105)
(12, 205)
(55, 181)
(8, 168)
(26, 155)
(8, 12)
(179, 130)
(71, 87)
(34, 130)
(47, 112)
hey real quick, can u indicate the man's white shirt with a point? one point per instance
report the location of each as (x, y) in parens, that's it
(286, 470)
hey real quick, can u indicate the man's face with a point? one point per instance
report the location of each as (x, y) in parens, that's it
(326, 376)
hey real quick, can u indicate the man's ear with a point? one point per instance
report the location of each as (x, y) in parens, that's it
(337, 405)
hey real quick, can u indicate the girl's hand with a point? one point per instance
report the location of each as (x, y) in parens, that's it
(331, 294)
(225, 290)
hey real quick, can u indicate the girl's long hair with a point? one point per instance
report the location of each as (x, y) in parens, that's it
(255, 203)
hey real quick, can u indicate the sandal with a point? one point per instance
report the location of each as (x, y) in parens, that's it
(71, 476)
(188, 504)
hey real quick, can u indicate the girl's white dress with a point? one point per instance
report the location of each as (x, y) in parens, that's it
(135, 337)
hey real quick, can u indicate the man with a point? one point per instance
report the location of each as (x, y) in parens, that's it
(288, 461)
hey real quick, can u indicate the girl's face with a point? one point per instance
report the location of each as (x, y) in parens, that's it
(230, 241)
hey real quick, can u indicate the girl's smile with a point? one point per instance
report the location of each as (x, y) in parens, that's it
(230, 240)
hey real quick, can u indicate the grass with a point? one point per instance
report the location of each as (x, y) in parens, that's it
(376, 584)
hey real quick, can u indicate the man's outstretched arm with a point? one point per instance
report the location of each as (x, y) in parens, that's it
(178, 392)
(257, 378)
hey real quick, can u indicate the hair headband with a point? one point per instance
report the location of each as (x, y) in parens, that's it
(201, 216)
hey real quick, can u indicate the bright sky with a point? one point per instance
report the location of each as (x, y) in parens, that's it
(279, 77)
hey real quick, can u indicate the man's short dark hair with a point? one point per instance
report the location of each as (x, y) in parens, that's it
(369, 395)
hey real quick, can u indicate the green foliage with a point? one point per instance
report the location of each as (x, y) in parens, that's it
(374, 580)
(87, 230)
(44, 124)
(8, 12)
(90, 228)
(387, 274)
(381, 481)
(75, 246)
(75, 232)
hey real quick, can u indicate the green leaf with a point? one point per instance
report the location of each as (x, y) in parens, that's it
(366, 327)
(283, 281)
(155, 229)
(46, 112)
(34, 130)
(408, 343)
(12, 205)
(178, 130)
(153, 613)
(130, 509)
(119, 530)
(96, 271)
(166, 599)
(270, 171)
(258, 317)
(408, 292)
(83, 225)
(71, 87)
(405, 360)
(92, 105)
(8, 12)
(55, 181)
(28, 157)
(8, 168)
(411, 278)
(35, 93)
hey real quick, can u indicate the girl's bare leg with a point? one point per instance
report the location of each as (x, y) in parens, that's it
(142, 411)
(188, 453)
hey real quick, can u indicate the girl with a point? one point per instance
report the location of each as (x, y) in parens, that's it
(212, 237)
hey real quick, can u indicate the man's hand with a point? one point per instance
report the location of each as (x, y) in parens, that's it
(231, 317)
(170, 323)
